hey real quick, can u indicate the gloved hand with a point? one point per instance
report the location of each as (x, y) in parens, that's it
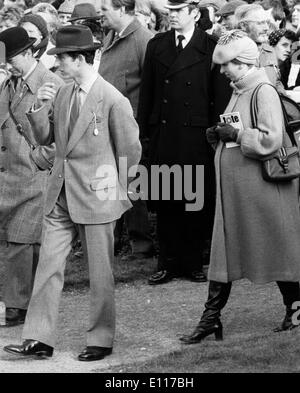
(212, 136)
(226, 132)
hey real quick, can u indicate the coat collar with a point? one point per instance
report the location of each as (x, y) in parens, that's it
(87, 114)
(192, 53)
(109, 41)
(32, 83)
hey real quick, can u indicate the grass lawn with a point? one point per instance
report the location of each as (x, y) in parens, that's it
(150, 318)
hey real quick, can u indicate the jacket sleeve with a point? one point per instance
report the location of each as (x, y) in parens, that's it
(267, 137)
(43, 156)
(42, 125)
(125, 133)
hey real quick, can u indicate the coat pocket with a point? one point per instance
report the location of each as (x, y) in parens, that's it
(102, 183)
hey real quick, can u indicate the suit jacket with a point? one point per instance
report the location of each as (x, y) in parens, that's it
(122, 60)
(88, 163)
(23, 174)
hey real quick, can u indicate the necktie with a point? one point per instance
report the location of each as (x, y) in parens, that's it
(179, 46)
(74, 111)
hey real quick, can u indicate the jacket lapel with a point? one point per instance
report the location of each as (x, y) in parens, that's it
(109, 41)
(166, 52)
(192, 53)
(87, 113)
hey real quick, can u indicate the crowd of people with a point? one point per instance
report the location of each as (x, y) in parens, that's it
(87, 87)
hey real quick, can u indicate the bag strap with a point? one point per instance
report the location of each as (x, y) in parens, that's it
(254, 111)
(20, 127)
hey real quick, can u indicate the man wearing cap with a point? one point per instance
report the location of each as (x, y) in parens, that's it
(121, 64)
(228, 20)
(175, 108)
(24, 170)
(252, 19)
(95, 132)
(65, 11)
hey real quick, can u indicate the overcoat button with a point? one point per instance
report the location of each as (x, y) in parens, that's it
(164, 121)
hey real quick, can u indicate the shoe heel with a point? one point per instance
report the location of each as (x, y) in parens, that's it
(219, 333)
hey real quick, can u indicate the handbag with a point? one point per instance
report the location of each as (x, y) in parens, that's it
(284, 165)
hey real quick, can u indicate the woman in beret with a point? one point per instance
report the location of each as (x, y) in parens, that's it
(257, 223)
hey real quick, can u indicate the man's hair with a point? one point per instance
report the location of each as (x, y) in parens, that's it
(88, 55)
(129, 5)
(243, 11)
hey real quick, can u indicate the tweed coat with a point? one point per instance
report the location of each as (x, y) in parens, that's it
(257, 224)
(23, 170)
(122, 60)
(87, 163)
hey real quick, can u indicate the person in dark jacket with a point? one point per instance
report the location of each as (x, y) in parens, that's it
(175, 107)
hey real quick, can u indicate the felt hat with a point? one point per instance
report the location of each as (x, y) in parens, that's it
(216, 4)
(84, 11)
(16, 40)
(235, 44)
(229, 8)
(74, 38)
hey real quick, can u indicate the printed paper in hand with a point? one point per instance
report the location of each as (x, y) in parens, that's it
(234, 119)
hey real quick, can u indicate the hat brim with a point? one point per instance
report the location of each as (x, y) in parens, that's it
(57, 51)
(85, 18)
(20, 50)
(175, 6)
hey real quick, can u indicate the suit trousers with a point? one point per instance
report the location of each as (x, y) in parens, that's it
(21, 262)
(137, 224)
(59, 231)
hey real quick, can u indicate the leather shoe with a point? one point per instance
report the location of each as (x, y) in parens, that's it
(30, 348)
(15, 316)
(197, 276)
(90, 354)
(160, 277)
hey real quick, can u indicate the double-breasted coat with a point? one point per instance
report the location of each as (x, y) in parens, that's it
(23, 169)
(176, 102)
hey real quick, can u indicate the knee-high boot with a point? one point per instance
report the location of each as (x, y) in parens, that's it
(218, 294)
(290, 293)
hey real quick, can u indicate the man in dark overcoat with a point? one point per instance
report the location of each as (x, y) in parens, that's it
(175, 108)
(24, 170)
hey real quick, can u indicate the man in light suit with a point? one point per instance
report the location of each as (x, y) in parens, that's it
(86, 192)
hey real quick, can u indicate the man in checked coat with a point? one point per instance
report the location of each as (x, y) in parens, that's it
(24, 170)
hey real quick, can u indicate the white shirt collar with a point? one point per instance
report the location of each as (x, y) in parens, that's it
(86, 86)
(187, 36)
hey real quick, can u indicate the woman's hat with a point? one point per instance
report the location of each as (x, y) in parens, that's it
(235, 44)
(36, 20)
(84, 11)
(74, 38)
(16, 40)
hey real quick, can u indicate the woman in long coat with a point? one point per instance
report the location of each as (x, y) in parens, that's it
(257, 223)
